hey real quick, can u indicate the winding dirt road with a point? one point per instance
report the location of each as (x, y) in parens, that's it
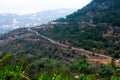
(97, 58)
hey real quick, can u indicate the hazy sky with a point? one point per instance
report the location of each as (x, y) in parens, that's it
(31, 6)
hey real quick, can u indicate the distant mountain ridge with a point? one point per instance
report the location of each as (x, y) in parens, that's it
(12, 21)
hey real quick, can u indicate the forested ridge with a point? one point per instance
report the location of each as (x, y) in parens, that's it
(95, 27)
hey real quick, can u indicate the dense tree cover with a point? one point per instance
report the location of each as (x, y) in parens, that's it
(28, 67)
(95, 27)
(88, 37)
(10, 70)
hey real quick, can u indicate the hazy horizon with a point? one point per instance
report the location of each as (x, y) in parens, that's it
(33, 6)
(72, 9)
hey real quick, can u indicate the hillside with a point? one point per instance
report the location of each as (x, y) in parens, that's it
(82, 46)
(25, 52)
(95, 28)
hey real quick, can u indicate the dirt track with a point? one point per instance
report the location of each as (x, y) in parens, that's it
(96, 58)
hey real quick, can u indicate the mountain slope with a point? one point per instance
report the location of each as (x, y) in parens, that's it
(79, 29)
(35, 54)
(95, 27)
